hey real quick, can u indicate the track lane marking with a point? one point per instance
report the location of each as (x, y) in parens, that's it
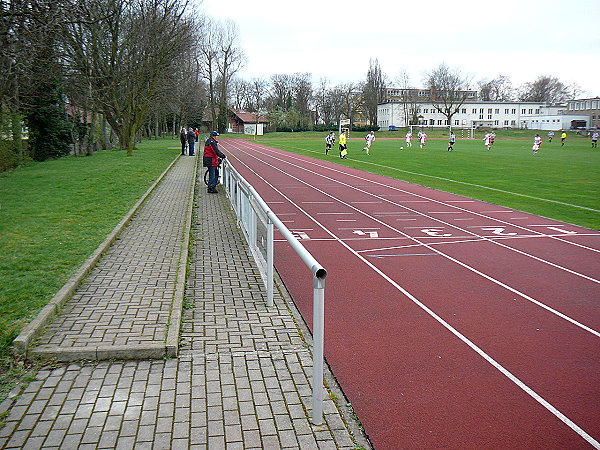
(463, 182)
(488, 277)
(434, 200)
(582, 433)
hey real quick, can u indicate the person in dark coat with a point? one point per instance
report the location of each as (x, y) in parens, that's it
(191, 138)
(211, 159)
(183, 139)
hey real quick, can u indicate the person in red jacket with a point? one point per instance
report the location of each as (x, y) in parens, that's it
(211, 159)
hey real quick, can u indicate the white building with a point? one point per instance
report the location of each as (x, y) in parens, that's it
(478, 114)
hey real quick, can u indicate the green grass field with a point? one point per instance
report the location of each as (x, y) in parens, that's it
(559, 182)
(54, 214)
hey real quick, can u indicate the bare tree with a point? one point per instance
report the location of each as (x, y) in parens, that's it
(545, 88)
(373, 90)
(127, 51)
(351, 100)
(499, 89)
(230, 58)
(240, 94)
(281, 92)
(303, 93)
(408, 98)
(448, 88)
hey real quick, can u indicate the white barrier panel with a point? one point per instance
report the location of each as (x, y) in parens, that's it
(257, 221)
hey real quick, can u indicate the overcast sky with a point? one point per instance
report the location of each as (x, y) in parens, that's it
(335, 39)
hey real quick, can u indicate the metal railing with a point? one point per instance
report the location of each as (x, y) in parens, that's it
(257, 222)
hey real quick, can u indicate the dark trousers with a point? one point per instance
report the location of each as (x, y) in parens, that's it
(191, 143)
(213, 175)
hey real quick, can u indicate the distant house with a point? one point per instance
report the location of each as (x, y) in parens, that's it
(246, 122)
(589, 107)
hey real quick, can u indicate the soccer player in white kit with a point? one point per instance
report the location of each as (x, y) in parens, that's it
(422, 139)
(369, 138)
(537, 143)
(487, 140)
(409, 139)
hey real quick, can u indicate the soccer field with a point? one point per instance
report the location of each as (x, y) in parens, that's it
(559, 182)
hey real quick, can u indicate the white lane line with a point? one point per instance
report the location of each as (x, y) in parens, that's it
(446, 325)
(548, 308)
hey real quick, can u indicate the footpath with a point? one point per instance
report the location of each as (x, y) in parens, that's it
(166, 343)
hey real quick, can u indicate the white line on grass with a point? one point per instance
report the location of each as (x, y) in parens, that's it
(460, 182)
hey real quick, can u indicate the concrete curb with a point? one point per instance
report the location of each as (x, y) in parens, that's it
(32, 330)
(174, 326)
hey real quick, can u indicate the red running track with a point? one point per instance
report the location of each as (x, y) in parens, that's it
(449, 322)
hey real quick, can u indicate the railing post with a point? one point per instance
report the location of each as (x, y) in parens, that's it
(270, 262)
(318, 344)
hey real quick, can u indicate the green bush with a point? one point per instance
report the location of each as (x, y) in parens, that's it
(365, 128)
(9, 156)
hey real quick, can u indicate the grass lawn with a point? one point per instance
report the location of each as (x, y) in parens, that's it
(559, 182)
(54, 214)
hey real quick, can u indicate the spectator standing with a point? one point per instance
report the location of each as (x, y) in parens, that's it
(191, 138)
(212, 158)
(183, 139)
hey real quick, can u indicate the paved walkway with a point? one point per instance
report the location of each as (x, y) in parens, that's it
(242, 377)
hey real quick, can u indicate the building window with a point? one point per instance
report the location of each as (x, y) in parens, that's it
(514, 111)
(457, 122)
(506, 111)
(506, 122)
(474, 110)
(489, 110)
(497, 111)
(480, 116)
(426, 110)
(481, 111)
(489, 117)
(464, 110)
(523, 111)
(537, 111)
(531, 111)
(439, 122)
(496, 122)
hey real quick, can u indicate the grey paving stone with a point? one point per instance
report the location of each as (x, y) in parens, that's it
(241, 376)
